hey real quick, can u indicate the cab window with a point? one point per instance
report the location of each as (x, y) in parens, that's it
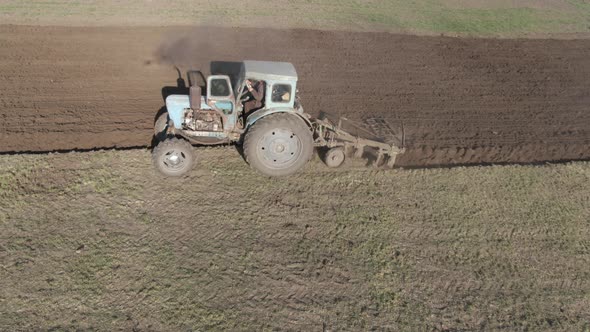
(281, 93)
(219, 88)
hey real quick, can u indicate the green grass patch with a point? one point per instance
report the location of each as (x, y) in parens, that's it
(418, 16)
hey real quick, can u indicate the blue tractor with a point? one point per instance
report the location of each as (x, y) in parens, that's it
(278, 138)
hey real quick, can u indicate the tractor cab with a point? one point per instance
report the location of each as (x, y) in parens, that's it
(218, 114)
(280, 84)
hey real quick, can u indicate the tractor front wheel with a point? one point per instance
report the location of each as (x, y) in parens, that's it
(278, 144)
(173, 157)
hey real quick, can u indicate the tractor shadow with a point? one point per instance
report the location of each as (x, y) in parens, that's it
(229, 68)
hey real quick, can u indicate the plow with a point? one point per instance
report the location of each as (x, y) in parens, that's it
(341, 143)
(259, 108)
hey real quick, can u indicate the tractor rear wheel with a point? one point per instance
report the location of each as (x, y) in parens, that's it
(173, 157)
(278, 144)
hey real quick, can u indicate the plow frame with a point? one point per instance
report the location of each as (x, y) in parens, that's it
(330, 135)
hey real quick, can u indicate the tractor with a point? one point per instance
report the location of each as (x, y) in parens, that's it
(277, 139)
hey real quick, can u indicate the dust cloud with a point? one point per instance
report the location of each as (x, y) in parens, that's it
(195, 48)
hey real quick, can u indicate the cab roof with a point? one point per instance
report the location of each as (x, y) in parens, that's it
(262, 70)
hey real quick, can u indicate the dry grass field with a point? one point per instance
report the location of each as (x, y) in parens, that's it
(100, 241)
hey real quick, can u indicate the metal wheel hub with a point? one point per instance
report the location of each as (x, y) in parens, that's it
(174, 159)
(279, 148)
(336, 158)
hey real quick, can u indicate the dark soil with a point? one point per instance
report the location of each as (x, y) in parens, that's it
(461, 101)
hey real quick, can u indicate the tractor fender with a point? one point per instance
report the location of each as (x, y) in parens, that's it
(257, 115)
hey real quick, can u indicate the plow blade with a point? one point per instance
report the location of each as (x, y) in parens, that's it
(374, 139)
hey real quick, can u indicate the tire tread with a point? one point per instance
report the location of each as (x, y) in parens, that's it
(167, 144)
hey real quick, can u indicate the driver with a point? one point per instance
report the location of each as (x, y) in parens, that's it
(256, 89)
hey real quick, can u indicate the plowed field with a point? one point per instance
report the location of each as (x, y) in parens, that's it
(461, 101)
